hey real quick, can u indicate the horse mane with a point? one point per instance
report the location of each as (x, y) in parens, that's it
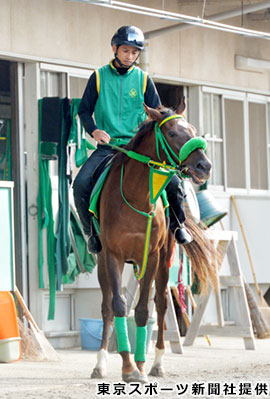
(145, 128)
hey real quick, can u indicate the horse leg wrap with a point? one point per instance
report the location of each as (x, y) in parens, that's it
(140, 348)
(122, 334)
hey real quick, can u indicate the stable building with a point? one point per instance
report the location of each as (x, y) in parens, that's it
(49, 49)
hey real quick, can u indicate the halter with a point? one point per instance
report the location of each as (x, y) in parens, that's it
(191, 145)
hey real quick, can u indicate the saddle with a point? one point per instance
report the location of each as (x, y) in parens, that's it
(98, 180)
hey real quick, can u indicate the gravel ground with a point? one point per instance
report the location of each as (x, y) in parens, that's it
(224, 369)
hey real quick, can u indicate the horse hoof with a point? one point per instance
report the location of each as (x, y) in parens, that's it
(98, 373)
(135, 376)
(157, 371)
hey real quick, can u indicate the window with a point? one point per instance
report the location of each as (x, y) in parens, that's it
(77, 86)
(51, 84)
(237, 128)
(235, 144)
(212, 130)
(257, 145)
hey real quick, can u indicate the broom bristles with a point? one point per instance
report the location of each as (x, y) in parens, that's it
(29, 346)
(34, 344)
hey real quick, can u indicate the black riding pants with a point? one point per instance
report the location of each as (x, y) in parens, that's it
(83, 185)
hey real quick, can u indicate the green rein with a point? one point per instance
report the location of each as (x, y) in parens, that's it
(162, 168)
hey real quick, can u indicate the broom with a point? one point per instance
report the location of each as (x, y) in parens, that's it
(257, 319)
(49, 353)
(263, 305)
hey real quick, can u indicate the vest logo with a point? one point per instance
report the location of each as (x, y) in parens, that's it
(133, 93)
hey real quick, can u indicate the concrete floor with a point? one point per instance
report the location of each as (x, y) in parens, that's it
(225, 362)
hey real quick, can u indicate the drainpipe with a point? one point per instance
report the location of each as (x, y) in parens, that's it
(144, 58)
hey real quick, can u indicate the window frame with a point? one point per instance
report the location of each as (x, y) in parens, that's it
(245, 98)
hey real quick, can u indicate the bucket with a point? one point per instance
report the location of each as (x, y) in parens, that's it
(8, 318)
(131, 325)
(10, 349)
(91, 333)
(210, 210)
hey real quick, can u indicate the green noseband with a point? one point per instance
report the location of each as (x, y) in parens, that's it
(190, 146)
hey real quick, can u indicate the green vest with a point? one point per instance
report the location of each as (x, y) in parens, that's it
(119, 107)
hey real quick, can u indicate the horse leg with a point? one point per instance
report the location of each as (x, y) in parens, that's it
(142, 313)
(119, 307)
(100, 370)
(161, 302)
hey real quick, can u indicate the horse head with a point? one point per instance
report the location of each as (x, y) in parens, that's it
(177, 132)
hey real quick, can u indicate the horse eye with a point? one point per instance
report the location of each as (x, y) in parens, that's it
(171, 133)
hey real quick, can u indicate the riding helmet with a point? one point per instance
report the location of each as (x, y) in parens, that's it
(129, 35)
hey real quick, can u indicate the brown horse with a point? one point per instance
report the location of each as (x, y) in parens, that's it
(123, 233)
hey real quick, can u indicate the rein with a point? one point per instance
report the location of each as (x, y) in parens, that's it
(150, 215)
(158, 168)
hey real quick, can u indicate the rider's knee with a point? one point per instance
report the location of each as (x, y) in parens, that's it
(79, 187)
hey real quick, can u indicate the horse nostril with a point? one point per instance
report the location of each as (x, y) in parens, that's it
(203, 166)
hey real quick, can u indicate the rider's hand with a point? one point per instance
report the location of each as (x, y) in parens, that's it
(101, 136)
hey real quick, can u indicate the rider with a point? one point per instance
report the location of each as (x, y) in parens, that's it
(115, 94)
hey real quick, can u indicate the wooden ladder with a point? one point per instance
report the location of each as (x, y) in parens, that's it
(226, 244)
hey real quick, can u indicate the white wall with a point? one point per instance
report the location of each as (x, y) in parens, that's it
(80, 33)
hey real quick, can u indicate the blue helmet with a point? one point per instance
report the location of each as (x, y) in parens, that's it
(130, 36)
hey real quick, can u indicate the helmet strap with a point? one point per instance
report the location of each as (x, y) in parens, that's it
(120, 63)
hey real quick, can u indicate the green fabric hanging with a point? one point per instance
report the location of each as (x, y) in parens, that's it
(45, 220)
(5, 149)
(64, 261)
(77, 135)
(79, 260)
(62, 233)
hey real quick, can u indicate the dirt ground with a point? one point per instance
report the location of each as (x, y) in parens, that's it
(224, 369)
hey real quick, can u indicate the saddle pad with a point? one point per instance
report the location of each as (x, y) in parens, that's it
(94, 198)
(93, 208)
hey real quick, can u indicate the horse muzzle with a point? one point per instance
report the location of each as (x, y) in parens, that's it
(198, 171)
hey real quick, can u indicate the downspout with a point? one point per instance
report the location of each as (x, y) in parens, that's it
(144, 58)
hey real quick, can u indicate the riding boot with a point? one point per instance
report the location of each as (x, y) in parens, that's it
(176, 197)
(181, 234)
(93, 243)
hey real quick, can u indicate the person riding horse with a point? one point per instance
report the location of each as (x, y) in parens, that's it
(115, 94)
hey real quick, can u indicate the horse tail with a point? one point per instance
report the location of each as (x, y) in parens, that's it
(203, 256)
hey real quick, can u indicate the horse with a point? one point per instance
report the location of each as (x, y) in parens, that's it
(123, 235)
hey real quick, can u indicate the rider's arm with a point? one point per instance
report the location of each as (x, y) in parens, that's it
(86, 110)
(151, 97)
(87, 105)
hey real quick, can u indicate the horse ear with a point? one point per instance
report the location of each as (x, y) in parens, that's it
(182, 106)
(152, 113)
